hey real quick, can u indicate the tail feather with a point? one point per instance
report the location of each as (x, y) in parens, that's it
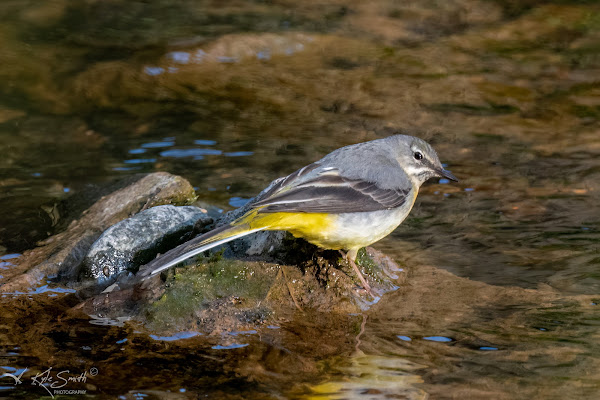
(195, 246)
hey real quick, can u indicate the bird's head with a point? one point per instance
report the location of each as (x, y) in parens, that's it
(419, 160)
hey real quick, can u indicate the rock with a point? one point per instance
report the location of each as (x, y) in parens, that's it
(63, 253)
(137, 240)
(219, 294)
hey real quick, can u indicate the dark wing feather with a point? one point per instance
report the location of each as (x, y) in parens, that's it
(330, 193)
(289, 180)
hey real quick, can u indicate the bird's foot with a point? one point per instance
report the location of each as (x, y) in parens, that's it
(287, 283)
(364, 282)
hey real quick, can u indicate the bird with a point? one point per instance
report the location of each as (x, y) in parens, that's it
(349, 199)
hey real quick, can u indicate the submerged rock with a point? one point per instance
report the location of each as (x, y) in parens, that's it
(137, 240)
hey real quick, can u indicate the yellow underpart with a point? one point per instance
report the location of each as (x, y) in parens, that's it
(310, 226)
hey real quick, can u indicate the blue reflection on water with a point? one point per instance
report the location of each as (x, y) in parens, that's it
(204, 142)
(41, 290)
(137, 151)
(154, 145)
(228, 347)
(125, 168)
(177, 336)
(46, 289)
(153, 71)
(438, 338)
(263, 55)
(236, 333)
(180, 57)
(140, 161)
(239, 154)
(238, 202)
(199, 55)
(181, 153)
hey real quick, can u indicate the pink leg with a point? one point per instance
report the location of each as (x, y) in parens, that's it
(351, 256)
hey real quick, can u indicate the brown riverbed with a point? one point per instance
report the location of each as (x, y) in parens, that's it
(502, 268)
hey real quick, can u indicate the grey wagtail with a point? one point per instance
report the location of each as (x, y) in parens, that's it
(349, 199)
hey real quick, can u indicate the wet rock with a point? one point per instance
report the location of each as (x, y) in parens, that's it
(137, 240)
(63, 253)
(219, 294)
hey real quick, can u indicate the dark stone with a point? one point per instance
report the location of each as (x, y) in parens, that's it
(137, 240)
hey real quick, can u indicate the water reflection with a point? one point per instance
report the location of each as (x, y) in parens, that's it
(238, 202)
(441, 339)
(197, 154)
(370, 377)
(229, 346)
(153, 145)
(177, 336)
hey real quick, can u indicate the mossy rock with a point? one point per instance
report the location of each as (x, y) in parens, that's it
(218, 294)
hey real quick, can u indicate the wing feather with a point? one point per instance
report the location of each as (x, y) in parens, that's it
(328, 192)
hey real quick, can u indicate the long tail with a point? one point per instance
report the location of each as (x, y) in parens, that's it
(195, 246)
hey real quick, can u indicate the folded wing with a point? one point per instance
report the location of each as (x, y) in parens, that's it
(329, 192)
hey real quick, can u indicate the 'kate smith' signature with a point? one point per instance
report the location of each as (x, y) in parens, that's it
(53, 380)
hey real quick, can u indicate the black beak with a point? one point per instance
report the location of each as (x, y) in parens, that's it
(447, 174)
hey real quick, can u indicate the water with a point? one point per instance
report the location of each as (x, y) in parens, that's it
(234, 96)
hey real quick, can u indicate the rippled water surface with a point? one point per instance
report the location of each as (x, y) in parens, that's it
(504, 267)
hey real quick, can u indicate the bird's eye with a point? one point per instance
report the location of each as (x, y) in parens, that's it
(418, 156)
